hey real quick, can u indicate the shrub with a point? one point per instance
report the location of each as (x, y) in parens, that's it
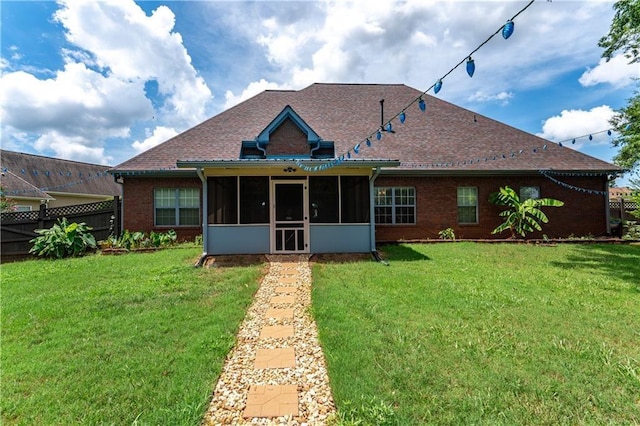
(135, 240)
(521, 216)
(63, 239)
(447, 234)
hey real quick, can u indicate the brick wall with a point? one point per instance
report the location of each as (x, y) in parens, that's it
(137, 204)
(288, 139)
(436, 207)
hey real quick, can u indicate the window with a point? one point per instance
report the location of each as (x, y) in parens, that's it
(323, 199)
(467, 204)
(19, 208)
(354, 194)
(177, 206)
(395, 205)
(527, 192)
(254, 199)
(222, 205)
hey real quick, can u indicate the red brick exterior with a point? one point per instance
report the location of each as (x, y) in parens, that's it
(436, 207)
(288, 139)
(137, 204)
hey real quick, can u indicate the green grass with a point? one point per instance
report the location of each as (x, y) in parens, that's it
(484, 334)
(139, 338)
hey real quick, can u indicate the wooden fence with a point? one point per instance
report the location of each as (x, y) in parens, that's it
(18, 228)
(621, 209)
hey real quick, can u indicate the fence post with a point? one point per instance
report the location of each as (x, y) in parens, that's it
(116, 216)
(42, 215)
(621, 208)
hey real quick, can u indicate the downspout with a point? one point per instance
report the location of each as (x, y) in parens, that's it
(607, 203)
(372, 218)
(205, 215)
(317, 147)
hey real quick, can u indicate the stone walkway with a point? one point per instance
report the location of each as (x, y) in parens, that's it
(276, 373)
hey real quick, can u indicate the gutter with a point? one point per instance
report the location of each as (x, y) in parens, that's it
(205, 215)
(372, 217)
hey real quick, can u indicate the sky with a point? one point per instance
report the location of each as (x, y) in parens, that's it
(102, 81)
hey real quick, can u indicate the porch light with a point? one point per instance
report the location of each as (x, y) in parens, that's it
(507, 30)
(437, 86)
(471, 67)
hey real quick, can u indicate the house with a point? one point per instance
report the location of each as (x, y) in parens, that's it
(622, 193)
(341, 167)
(30, 180)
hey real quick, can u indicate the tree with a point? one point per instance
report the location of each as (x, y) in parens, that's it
(626, 121)
(521, 216)
(624, 35)
(624, 32)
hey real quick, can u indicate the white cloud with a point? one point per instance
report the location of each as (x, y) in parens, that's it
(572, 123)
(253, 89)
(74, 147)
(76, 102)
(416, 42)
(160, 134)
(114, 50)
(133, 46)
(617, 72)
(502, 97)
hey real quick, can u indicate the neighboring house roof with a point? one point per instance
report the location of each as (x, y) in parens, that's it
(53, 175)
(17, 186)
(622, 192)
(444, 138)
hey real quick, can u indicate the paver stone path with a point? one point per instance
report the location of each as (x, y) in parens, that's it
(276, 374)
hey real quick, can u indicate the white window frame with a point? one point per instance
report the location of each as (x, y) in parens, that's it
(463, 202)
(395, 204)
(176, 206)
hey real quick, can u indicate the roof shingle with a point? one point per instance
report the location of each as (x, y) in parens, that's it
(445, 137)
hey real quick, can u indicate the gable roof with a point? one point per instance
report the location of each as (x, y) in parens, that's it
(445, 137)
(53, 175)
(14, 185)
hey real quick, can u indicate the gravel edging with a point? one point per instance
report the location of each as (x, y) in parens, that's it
(315, 401)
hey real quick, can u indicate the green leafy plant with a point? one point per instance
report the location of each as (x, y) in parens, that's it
(521, 217)
(161, 239)
(447, 234)
(63, 239)
(632, 230)
(135, 240)
(6, 204)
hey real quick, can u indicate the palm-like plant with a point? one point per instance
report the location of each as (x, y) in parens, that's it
(521, 216)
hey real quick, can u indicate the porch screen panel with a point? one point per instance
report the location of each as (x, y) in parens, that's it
(354, 194)
(323, 199)
(254, 199)
(223, 200)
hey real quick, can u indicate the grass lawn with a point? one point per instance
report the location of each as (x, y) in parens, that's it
(466, 333)
(139, 338)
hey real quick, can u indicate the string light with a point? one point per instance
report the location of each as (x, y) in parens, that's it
(546, 173)
(437, 86)
(508, 28)
(471, 66)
